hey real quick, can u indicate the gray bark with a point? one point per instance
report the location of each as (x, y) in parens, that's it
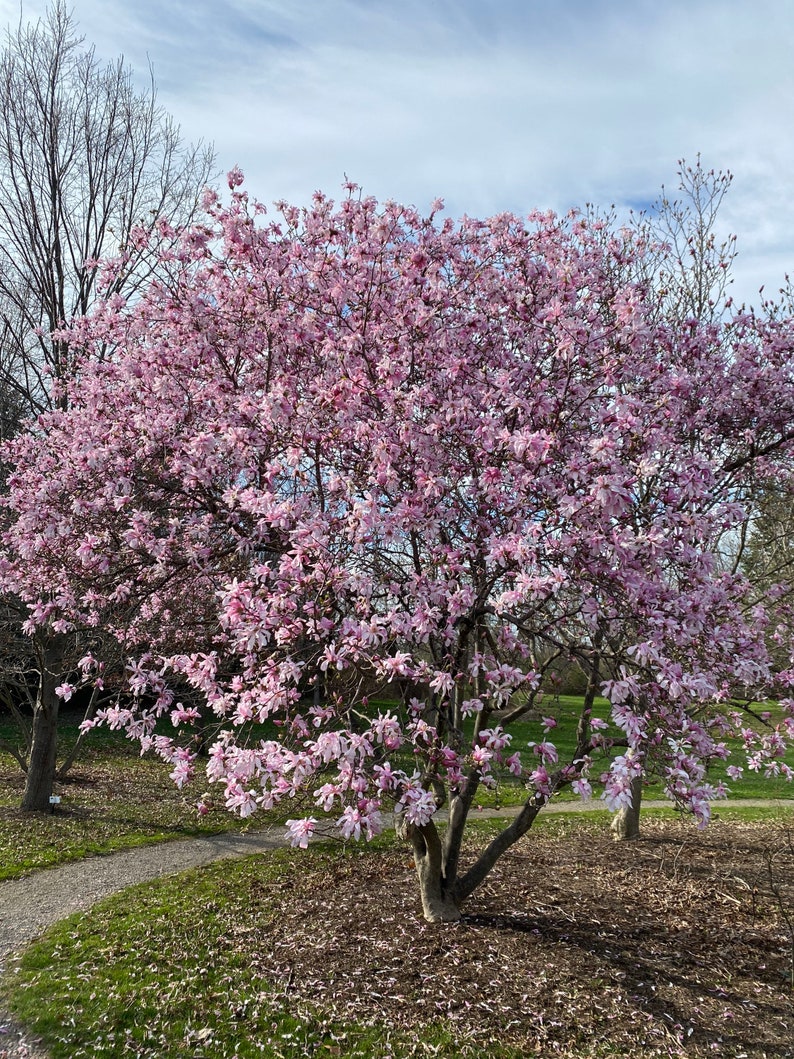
(438, 900)
(441, 889)
(626, 822)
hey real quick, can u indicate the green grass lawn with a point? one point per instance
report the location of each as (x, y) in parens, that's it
(195, 994)
(113, 799)
(565, 709)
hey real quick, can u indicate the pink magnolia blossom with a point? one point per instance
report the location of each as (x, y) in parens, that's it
(546, 751)
(352, 451)
(514, 764)
(299, 832)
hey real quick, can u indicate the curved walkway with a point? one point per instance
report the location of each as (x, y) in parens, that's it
(28, 906)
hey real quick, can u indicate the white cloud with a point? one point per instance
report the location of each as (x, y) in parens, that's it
(506, 105)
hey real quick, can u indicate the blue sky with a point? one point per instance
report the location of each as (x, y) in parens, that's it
(490, 104)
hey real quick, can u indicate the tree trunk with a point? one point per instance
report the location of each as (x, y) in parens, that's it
(438, 906)
(41, 769)
(438, 903)
(626, 824)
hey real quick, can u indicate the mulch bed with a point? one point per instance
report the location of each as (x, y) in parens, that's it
(675, 944)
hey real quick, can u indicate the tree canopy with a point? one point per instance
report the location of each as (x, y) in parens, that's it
(349, 483)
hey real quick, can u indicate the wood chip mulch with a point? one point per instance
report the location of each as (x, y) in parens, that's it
(674, 945)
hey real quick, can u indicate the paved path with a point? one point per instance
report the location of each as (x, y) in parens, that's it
(28, 906)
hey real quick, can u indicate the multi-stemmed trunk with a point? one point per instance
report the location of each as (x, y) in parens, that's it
(437, 857)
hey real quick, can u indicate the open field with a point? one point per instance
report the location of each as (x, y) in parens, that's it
(675, 945)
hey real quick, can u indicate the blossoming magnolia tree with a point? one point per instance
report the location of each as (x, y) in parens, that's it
(354, 455)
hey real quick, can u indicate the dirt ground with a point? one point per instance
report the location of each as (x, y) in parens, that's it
(680, 943)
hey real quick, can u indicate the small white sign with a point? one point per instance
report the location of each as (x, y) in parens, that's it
(55, 799)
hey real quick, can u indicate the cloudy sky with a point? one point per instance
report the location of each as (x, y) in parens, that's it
(489, 104)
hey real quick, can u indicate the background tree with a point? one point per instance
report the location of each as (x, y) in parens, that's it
(764, 549)
(685, 265)
(769, 553)
(86, 158)
(90, 167)
(688, 263)
(355, 447)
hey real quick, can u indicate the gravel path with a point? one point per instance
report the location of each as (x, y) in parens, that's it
(28, 906)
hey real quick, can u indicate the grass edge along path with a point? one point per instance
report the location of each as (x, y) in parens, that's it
(295, 1031)
(33, 904)
(38, 902)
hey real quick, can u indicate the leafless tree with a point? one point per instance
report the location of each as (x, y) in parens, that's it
(693, 264)
(85, 157)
